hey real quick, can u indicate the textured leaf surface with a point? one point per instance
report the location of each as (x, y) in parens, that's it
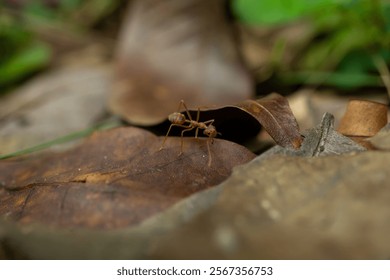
(279, 207)
(275, 115)
(114, 179)
(363, 118)
(284, 204)
(293, 208)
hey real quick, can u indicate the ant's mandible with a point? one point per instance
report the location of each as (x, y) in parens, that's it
(180, 120)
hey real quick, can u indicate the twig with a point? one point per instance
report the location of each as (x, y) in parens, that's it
(383, 71)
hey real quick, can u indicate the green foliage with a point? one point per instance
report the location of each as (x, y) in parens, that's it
(27, 60)
(22, 52)
(272, 12)
(349, 33)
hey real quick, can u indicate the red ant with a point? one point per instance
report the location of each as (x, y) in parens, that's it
(180, 120)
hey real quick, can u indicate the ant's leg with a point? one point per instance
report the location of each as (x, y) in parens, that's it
(187, 112)
(181, 103)
(188, 129)
(198, 115)
(196, 132)
(165, 138)
(209, 153)
(197, 120)
(209, 122)
(182, 135)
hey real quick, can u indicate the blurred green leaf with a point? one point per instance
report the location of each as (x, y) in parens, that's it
(327, 53)
(70, 4)
(39, 9)
(348, 34)
(22, 52)
(360, 61)
(267, 12)
(29, 59)
(278, 11)
(339, 79)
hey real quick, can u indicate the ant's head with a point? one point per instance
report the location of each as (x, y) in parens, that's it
(177, 118)
(210, 131)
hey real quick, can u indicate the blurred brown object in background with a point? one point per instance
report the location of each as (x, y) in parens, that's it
(172, 50)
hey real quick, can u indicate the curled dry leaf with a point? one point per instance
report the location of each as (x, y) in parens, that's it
(172, 50)
(114, 179)
(243, 121)
(275, 115)
(363, 119)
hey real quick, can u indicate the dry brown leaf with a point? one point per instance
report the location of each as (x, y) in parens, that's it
(237, 222)
(114, 179)
(52, 105)
(363, 118)
(332, 207)
(275, 115)
(172, 50)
